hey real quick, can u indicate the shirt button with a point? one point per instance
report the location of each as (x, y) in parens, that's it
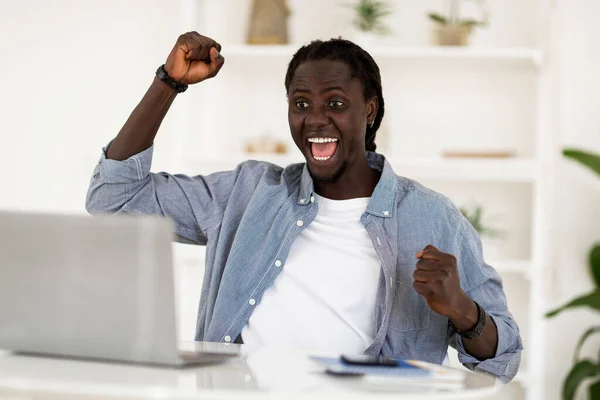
(300, 223)
(312, 199)
(252, 302)
(386, 213)
(278, 263)
(227, 338)
(302, 201)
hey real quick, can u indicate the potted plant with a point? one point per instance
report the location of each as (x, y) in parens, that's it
(489, 236)
(452, 29)
(368, 20)
(586, 368)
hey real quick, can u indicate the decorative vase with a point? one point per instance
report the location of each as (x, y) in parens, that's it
(451, 35)
(268, 22)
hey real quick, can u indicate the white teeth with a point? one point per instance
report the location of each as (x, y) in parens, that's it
(322, 140)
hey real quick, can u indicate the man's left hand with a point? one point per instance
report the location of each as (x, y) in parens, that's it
(437, 280)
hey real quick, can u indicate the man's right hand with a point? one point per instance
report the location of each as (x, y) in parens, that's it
(194, 58)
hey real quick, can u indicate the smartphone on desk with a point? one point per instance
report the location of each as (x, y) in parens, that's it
(378, 361)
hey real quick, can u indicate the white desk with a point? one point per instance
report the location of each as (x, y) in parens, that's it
(263, 373)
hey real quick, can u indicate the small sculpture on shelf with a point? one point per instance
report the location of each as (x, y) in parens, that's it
(265, 145)
(452, 29)
(368, 20)
(480, 153)
(268, 22)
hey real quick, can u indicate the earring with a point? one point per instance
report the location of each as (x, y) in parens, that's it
(372, 123)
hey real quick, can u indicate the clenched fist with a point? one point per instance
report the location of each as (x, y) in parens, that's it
(194, 58)
(436, 279)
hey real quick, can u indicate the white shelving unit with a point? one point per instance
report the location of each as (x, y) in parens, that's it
(495, 93)
(468, 170)
(530, 56)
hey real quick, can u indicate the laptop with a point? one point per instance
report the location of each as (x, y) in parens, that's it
(92, 287)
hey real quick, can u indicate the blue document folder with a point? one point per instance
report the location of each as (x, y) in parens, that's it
(405, 371)
(403, 368)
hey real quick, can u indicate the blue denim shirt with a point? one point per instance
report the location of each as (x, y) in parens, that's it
(249, 217)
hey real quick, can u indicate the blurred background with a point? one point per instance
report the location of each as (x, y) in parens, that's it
(482, 97)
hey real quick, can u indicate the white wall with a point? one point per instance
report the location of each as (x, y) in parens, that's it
(72, 71)
(577, 192)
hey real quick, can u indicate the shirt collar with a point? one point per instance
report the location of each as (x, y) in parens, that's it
(383, 197)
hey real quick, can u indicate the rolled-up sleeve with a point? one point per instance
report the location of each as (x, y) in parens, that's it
(505, 363)
(195, 204)
(489, 294)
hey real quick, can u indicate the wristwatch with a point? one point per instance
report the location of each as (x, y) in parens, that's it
(477, 329)
(162, 75)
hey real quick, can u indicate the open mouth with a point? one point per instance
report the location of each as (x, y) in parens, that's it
(323, 149)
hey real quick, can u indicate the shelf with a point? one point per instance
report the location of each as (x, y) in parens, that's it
(529, 55)
(466, 170)
(446, 169)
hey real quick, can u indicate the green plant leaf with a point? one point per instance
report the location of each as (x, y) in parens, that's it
(582, 339)
(580, 371)
(475, 219)
(595, 390)
(591, 300)
(369, 14)
(590, 160)
(595, 263)
(440, 19)
(471, 23)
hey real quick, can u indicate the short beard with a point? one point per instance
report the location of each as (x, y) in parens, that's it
(333, 178)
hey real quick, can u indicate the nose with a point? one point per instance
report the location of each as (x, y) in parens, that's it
(317, 118)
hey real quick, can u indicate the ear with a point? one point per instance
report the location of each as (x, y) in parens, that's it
(372, 107)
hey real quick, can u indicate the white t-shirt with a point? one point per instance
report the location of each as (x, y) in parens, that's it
(324, 298)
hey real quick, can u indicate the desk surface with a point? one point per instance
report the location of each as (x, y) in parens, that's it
(263, 373)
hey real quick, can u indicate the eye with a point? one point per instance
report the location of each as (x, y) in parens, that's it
(336, 104)
(301, 104)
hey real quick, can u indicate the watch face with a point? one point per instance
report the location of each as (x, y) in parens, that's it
(162, 75)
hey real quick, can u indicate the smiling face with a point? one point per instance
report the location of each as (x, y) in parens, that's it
(328, 116)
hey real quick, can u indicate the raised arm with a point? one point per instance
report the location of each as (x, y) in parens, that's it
(194, 58)
(122, 182)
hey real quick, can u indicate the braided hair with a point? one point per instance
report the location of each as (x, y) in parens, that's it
(361, 64)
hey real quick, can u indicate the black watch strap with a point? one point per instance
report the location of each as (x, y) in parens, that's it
(162, 75)
(478, 328)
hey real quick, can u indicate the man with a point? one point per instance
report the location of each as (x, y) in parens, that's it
(336, 254)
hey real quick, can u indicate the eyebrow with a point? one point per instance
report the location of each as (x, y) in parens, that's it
(328, 89)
